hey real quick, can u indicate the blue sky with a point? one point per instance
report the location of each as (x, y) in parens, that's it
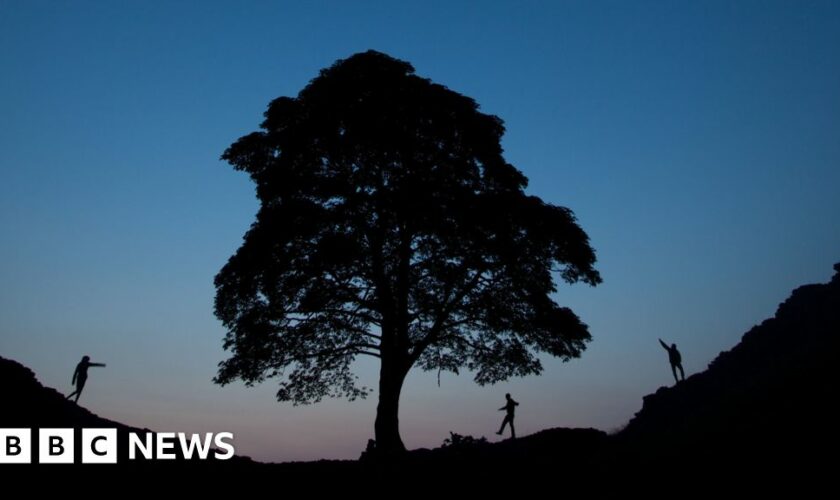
(698, 143)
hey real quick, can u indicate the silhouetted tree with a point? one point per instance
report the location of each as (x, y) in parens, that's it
(391, 226)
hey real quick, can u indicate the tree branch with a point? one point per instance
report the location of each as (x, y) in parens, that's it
(338, 351)
(437, 327)
(356, 313)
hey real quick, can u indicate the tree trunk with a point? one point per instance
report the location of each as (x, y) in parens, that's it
(387, 426)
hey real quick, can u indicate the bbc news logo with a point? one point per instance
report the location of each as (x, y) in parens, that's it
(99, 446)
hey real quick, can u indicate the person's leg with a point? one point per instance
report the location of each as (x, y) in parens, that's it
(674, 371)
(682, 373)
(504, 423)
(79, 386)
(71, 394)
(512, 430)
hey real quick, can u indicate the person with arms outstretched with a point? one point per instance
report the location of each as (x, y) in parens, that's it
(80, 376)
(509, 407)
(675, 358)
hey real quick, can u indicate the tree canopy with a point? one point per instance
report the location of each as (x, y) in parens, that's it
(390, 225)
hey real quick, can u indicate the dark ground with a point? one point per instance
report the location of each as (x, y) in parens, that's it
(762, 417)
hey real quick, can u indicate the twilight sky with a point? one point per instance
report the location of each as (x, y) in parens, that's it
(698, 143)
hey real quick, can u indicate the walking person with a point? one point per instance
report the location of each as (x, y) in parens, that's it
(80, 376)
(509, 407)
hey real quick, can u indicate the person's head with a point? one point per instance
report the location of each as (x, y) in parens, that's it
(507, 396)
(85, 359)
(673, 346)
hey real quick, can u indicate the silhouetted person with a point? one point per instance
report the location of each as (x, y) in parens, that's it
(509, 407)
(80, 376)
(675, 358)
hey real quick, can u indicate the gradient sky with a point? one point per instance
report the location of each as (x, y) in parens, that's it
(698, 143)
